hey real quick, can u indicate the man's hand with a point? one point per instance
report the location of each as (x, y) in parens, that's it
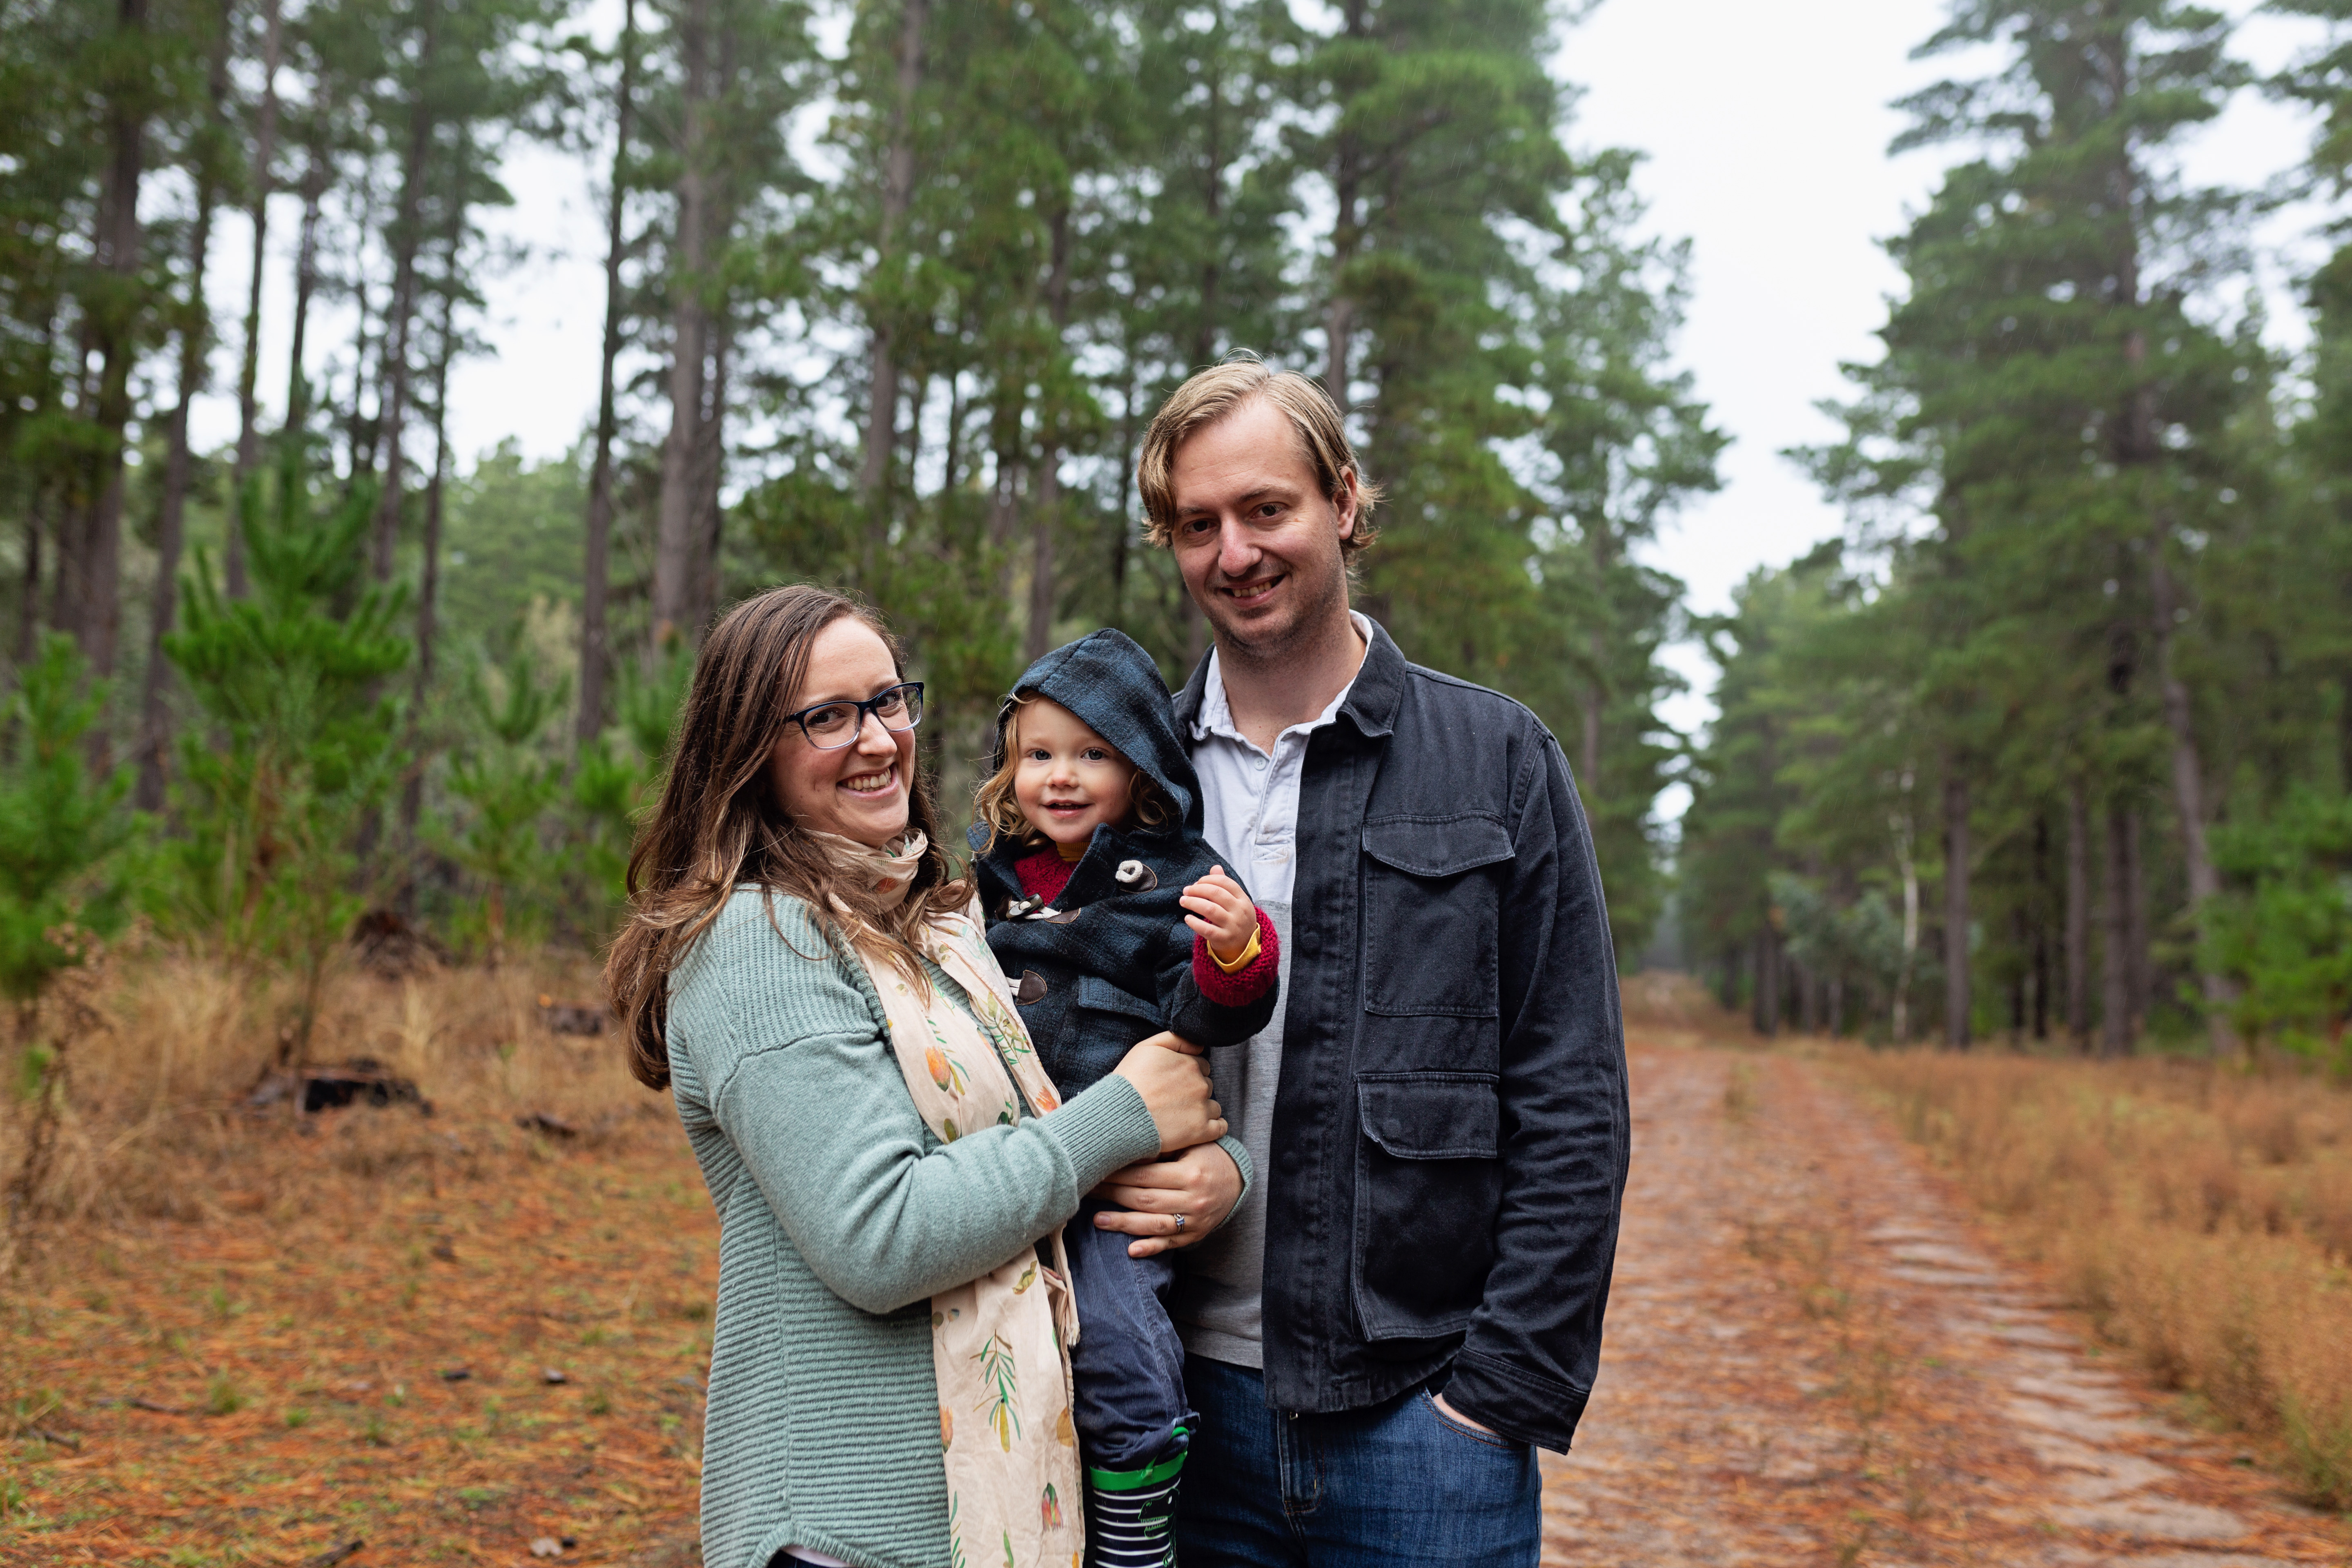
(1453, 1415)
(1216, 908)
(1202, 1183)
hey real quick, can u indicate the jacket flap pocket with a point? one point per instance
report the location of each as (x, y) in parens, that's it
(1436, 845)
(1432, 1116)
(1092, 991)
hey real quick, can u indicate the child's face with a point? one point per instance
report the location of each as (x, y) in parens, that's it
(1068, 780)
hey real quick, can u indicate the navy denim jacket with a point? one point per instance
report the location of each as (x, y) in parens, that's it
(1451, 1131)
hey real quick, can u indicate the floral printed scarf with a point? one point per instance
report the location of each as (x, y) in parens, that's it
(999, 1343)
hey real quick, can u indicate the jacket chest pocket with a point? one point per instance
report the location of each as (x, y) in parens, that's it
(1433, 887)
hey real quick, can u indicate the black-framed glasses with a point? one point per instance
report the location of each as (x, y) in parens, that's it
(830, 726)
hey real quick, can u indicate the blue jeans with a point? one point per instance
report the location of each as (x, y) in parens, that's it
(1397, 1484)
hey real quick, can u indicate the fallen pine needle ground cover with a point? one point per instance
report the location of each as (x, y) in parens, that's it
(259, 1336)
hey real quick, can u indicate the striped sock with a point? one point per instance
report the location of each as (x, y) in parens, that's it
(1134, 1514)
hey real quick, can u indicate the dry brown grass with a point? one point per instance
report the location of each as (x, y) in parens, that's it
(155, 1119)
(2202, 1215)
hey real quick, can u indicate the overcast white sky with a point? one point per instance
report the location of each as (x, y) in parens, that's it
(1765, 126)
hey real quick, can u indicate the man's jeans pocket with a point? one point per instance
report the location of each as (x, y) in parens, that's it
(1460, 1429)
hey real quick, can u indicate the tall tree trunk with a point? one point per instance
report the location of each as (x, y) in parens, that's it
(249, 405)
(2078, 915)
(2344, 729)
(428, 598)
(1122, 524)
(2344, 733)
(315, 176)
(597, 562)
(28, 609)
(171, 517)
(898, 194)
(1213, 198)
(1955, 910)
(361, 433)
(90, 560)
(2115, 1038)
(2040, 927)
(1903, 830)
(394, 383)
(2141, 971)
(674, 534)
(1042, 599)
(2188, 782)
(1768, 981)
(710, 469)
(1047, 518)
(1346, 238)
(1603, 551)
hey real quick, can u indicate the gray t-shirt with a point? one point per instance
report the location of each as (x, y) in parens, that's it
(1250, 802)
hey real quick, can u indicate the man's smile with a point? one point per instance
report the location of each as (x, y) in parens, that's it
(1250, 593)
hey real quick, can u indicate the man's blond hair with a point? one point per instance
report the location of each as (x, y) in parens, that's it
(1220, 391)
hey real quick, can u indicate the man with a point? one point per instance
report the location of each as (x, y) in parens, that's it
(1409, 1302)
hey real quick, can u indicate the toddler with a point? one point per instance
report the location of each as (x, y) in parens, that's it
(1111, 918)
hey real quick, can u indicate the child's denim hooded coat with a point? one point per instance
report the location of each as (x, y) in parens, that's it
(1092, 986)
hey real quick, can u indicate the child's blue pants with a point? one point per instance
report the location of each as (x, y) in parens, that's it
(1128, 1364)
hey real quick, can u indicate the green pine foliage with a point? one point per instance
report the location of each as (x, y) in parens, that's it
(299, 750)
(2286, 929)
(64, 873)
(504, 778)
(946, 261)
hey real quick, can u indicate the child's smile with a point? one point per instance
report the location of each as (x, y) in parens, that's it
(1068, 781)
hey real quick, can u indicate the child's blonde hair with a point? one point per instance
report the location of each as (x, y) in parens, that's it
(995, 807)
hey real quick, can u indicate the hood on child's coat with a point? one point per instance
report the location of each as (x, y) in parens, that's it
(1113, 689)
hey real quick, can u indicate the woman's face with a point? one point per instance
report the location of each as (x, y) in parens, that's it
(862, 790)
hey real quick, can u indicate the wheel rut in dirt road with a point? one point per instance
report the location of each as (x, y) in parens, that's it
(1813, 1357)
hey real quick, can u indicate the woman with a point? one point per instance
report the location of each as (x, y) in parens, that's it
(887, 1384)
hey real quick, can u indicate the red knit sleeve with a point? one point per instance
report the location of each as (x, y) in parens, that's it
(1242, 988)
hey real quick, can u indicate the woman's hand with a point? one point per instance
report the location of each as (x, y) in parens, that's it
(1216, 908)
(1199, 1186)
(1174, 1082)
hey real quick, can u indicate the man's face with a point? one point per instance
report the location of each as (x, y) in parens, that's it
(1257, 541)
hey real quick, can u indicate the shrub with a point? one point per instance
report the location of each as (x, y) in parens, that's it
(302, 748)
(61, 832)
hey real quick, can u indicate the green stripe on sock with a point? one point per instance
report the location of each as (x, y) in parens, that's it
(1135, 1480)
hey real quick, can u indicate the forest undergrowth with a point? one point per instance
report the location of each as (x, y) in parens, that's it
(2200, 1213)
(246, 1333)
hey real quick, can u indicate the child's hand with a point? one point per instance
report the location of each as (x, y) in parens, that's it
(1217, 909)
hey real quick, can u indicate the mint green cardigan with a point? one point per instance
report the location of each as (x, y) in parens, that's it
(840, 1214)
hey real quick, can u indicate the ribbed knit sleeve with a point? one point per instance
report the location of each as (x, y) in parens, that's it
(790, 1047)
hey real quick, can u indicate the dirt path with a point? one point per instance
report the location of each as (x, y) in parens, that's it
(1814, 1357)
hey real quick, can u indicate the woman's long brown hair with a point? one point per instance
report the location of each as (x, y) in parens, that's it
(720, 826)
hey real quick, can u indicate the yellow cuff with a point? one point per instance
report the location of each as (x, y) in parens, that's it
(1235, 965)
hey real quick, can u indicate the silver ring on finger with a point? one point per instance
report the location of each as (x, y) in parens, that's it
(1179, 1222)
